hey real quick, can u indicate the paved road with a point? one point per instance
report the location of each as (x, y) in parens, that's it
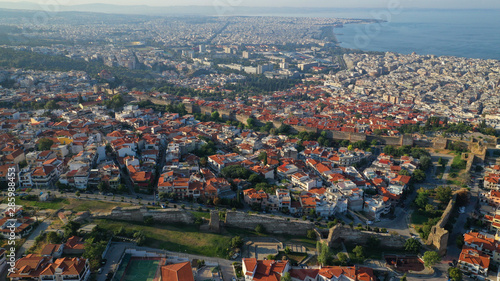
(31, 239)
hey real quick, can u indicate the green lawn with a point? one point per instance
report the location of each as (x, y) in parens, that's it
(48, 205)
(310, 244)
(188, 238)
(418, 218)
(92, 205)
(200, 214)
(374, 253)
(178, 238)
(292, 257)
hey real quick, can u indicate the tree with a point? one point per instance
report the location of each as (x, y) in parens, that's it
(421, 200)
(286, 277)
(441, 161)
(350, 147)
(418, 175)
(342, 257)
(403, 278)
(53, 237)
(259, 228)
(287, 250)
(359, 252)
(255, 178)
(122, 188)
(431, 258)
(215, 116)
(311, 234)
(324, 253)
(51, 105)
(77, 194)
(412, 245)
(203, 161)
(236, 242)
(45, 144)
(235, 171)
(251, 123)
(425, 162)
(455, 274)
(404, 172)
(263, 157)
(102, 186)
(429, 208)
(443, 194)
(108, 148)
(71, 229)
(93, 252)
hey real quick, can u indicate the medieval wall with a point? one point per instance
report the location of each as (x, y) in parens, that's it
(160, 215)
(346, 234)
(440, 143)
(439, 236)
(275, 225)
(336, 135)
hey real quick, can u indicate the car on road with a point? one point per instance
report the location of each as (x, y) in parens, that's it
(233, 279)
(99, 271)
(109, 194)
(88, 192)
(163, 206)
(461, 210)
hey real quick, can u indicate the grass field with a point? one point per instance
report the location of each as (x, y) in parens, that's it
(418, 218)
(178, 238)
(310, 244)
(49, 205)
(77, 205)
(188, 238)
(293, 257)
(373, 253)
(200, 214)
(80, 205)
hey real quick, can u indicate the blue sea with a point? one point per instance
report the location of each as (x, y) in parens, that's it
(472, 33)
(462, 33)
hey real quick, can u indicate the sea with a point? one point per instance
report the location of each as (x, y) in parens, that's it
(461, 33)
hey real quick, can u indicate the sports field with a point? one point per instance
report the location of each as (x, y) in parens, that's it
(137, 269)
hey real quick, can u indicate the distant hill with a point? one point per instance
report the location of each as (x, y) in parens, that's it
(211, 10)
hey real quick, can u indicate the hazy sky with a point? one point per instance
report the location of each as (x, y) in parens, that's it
(457, 4)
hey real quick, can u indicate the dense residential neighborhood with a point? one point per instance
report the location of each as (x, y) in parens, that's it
(241, 148)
